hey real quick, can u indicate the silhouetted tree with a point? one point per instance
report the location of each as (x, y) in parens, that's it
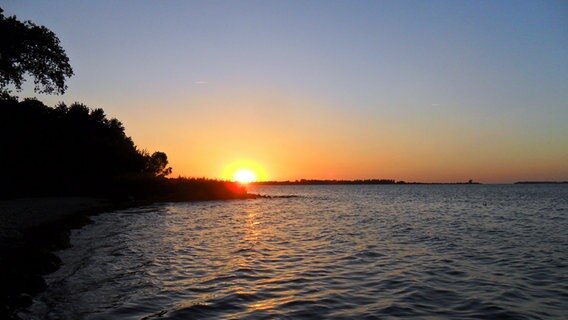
(35, 50)
(157, 164)
(67, 149)
(74, 150)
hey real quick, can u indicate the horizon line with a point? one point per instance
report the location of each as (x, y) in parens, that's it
(391, 181)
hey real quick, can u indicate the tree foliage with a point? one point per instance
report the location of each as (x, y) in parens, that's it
(35, 50)
(157, 164)
(74, 150)
(71, 149)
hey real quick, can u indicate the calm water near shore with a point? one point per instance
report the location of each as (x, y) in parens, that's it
(341, 252)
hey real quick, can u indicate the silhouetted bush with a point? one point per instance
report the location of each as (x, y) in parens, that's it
(152, 188)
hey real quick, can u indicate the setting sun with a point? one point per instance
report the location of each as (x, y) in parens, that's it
(244, 176)
(244, 171)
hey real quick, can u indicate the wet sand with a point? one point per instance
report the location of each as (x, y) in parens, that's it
(18, 215)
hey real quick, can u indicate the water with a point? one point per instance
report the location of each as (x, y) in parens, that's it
(335, 252)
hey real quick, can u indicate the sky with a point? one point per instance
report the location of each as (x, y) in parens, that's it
(433, 91)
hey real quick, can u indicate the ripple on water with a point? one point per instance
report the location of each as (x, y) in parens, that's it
(343, 252)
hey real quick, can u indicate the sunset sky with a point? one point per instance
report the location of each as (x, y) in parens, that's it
(405, 90)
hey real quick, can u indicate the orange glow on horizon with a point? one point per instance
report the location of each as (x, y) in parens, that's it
(300, 138)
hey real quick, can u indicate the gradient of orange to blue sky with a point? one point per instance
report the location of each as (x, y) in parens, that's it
(407, 90)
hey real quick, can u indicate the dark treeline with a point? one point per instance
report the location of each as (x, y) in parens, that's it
(541, 182)
(354, 182)
(74, 150)
(323, 182)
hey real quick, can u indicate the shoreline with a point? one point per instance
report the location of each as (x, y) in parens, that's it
(32, 229)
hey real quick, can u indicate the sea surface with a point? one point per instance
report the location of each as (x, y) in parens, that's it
(330, 252)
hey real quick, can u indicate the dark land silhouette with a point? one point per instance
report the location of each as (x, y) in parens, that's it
(77, 151)
(350, 182)
(541, 182)
(74, 150)
(73, 155)
(66, 151)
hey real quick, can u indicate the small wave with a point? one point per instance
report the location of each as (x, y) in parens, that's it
(337, 253)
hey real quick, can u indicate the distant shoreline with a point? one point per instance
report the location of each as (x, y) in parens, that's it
(385, 182)
(355, 182)
(541, 182)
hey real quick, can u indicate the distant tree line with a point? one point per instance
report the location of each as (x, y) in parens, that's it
(353, 182)
(324, 182)
(541, 182)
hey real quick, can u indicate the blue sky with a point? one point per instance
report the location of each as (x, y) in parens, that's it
(492, 75)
